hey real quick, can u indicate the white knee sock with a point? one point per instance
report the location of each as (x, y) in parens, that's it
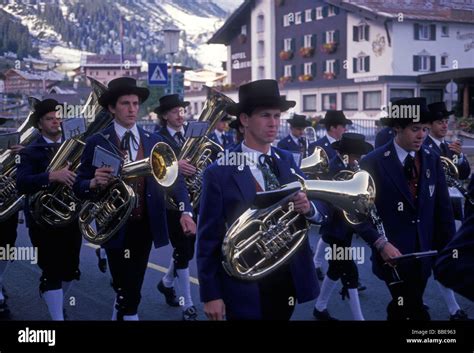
(319, 253)
(354, 303)
(184, 288)
(3, 267)
(168, 278)
(326, 290)
(449, 299)
(54, 300)
(131, 317)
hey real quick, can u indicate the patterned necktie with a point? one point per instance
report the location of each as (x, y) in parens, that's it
(444, 149)
(302, 143)
(178, 136)
(269, 171)
(128, 140)
(410, 168)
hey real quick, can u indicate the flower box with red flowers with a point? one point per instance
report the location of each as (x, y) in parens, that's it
(242, 38)
(329, 75)
(285, 79)
(286, 55)
(304, 78)
(329, 48)
(306, 52)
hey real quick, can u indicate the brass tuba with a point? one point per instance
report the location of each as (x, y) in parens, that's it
(315, 165)
(58, 206)
(10, 201)
(101, 219)
(452, 178)
(266, 236)
(202, 151)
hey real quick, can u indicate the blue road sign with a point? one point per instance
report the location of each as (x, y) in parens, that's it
(157, 74)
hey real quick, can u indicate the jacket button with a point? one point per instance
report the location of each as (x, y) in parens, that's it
(412, 221)
(418, 221)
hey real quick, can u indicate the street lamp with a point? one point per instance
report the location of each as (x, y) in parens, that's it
(171, 38)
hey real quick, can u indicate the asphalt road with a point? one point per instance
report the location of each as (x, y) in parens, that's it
(92, 297)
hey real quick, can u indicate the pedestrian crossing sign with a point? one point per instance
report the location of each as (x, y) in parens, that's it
(157, 74)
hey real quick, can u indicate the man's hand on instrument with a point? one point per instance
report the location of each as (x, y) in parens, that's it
(215, 309)
(102, 177)
(14, 149)
(187, 224)
(63, 176)
(186, 168)
(301, 203)
(388, 252)
(455, 147)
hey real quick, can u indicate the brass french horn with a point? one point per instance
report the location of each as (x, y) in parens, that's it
(101, 219)
(452, 178)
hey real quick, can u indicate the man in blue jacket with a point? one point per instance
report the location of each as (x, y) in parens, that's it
(228, 191)
(296, 142)
(128, 253)
(58, 248)
(413, 203)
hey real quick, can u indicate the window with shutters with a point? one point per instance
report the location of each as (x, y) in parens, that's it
(243, 30)
(372, 100)
(424, 63)
(360, 32)
(309, 102)
(361, 63)
(298, 18)
(444, 31)
(331, 10)
(288, 70)
(287, 44)
(330, 66)
(307, 40)
(319, 13)
(350, 101)
(308, 15)
(424, 31)
(330, 36)
(308, 68)
(329, 101)
(286, 21)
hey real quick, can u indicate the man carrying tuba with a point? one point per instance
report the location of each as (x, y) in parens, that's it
(228, 190)
(128, 250)
(58, 248)
(171, 115)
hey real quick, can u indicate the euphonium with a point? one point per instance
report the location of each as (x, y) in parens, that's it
(58, 206)
(315, 165)
(202, 151)
(100, 220)
(452, 178)
(10, 201)
(266, 236)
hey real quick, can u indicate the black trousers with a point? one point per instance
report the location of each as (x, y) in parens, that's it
(277, 295)
(183, 245)
(8, 231)
(345, 270)
(58, 254)
(407, 296)
(128, 265)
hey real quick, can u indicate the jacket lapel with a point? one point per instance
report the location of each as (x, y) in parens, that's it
(244, 179)
(285, 175)
(394, 170)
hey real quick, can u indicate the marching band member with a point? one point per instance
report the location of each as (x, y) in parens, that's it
(436, 143)
(335, 123)
(413, 204)
(171, 114)
(58, 248)
(228, 190)
(296, 142)
(128, 253)
(219, 134)
(338, 233)
(8, 239)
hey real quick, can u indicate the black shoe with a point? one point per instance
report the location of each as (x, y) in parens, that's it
(190, 314)
(169, 293)
(102, 263)
(459, 315)
(360, 287)
(323, 315)
(319, 273)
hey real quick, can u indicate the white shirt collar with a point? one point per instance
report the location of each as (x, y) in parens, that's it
(294, 138)
(120, 131)
(253, 155)
(401, 153)
(438, 142)
(51, 141)
(218, 133)
(330, 138)
(172, 132)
